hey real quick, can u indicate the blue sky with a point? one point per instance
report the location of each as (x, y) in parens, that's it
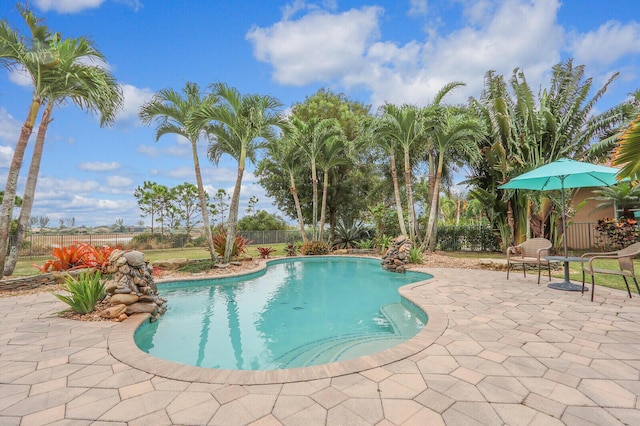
(373, 51)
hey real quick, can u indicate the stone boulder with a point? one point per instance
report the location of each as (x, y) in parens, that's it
(397, 256)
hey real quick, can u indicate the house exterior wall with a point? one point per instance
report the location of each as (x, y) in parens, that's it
(581, 233)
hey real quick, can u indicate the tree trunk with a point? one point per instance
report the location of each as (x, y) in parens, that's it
(314, 174)
(29, 191)
(203, 204)
(410, 206)
(433, 211)
(396, 193)
(325, 187)
(233, 209)
(294, 193)
(12, 180)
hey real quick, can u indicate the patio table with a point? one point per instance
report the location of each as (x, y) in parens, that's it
(565, 285)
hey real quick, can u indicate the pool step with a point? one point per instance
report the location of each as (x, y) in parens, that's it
(405, 325)
(338, 348)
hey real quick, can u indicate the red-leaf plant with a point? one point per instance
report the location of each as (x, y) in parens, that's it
(265, 251)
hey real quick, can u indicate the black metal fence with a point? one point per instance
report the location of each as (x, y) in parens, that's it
(580, 237)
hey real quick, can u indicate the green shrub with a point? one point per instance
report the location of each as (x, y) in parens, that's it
(365, 244)
(383, 242)
(314, 248)
(195, 266)
(415, 255)
(86, 290)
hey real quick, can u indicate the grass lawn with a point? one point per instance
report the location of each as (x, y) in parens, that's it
(25, 268)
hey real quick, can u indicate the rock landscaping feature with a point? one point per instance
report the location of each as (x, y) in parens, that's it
(131, 289)
(397, 256)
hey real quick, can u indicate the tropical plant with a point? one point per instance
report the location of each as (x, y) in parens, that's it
(291, 249)
(180, 114)
(239, 246)
(314, 248)
(85, 291)
(78, 256)
(524, 133)
(627, 154)
(311, 137)
(287, 155)
(617, 233)
(349, 232)
(332, 155)
(403, 127)
(241, 126)
(622, 196)
(452, 134)
(265, 251)
(33, 55)
(383, 242)
(415, 255)
(364, 244)
(90, 87)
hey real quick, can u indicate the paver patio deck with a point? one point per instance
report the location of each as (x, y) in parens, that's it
(499, 352)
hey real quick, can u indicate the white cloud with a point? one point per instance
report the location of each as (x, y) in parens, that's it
(418, 7)
(67, 6)
(6, 155)
(20, 76)
(9, 128)
(134, 97)
(99, 166)
(345, 49)
(318, 47)
(605, 45)
(118, 181)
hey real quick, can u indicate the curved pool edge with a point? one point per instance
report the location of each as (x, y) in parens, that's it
(121, 345)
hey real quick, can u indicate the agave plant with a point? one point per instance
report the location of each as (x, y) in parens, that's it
(85, 291)
(349, 232)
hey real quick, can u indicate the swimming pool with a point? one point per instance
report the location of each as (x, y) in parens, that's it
(299, 312)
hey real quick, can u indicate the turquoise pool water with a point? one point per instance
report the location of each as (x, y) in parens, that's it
(299, 312)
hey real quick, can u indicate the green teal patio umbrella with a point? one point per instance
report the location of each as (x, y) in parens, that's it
(563, 174)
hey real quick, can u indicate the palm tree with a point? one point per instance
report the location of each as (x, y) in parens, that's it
(456, 132)
(92, 88)
(241, 126)
(333, 154)
(622, 196)
(406, 130)
(34, 56)
(381, 137)
(287, 154)
(179, 114)
(311, 138)
(627, 153)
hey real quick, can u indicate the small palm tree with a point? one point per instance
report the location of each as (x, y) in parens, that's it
(177, 113)
(32, 55)
(242, 124)
(623, 196)
(333, 154)
(90, 87)
(627, 153)
(286, 153)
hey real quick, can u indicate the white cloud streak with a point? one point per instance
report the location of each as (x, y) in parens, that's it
(99, 166)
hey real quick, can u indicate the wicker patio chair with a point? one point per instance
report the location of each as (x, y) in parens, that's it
(625, 263)
(530, 252)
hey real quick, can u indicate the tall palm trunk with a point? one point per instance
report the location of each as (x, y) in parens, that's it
(411, 207)
(233, 208)
(29, 191)
(429, 240)
(294, 193)
(203, 204)
(314, 172)
(325, 187)
(396, 193)
(12, 179)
